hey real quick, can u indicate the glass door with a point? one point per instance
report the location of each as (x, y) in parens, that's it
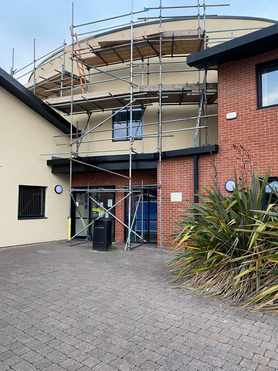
(80, 215)
(100, 201)
(88, 206)
(144, 214)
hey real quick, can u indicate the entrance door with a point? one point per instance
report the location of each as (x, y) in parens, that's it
(80, 215)
(144, 213)
(89, 206)
(104, 201)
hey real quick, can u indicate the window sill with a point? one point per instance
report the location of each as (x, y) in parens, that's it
(271, 106)
(31, 217)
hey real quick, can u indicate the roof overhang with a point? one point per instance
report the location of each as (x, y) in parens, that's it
(146, 161)
(33, 102)
(246, 46)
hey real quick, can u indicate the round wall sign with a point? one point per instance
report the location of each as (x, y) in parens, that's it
(58, 189)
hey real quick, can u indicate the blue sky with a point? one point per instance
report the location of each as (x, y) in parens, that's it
(22, 21)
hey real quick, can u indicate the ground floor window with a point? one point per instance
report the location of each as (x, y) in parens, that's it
(31, 202)
(271, 190)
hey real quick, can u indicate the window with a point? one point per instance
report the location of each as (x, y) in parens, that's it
(267, 75)
(31, 202)
(271, 190)
(121, 124)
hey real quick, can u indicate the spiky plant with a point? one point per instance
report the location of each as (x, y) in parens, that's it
(228, 245)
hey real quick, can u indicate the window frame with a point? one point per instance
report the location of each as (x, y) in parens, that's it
(259, 73)
(272, 194)
(127, 127)
(26, 188)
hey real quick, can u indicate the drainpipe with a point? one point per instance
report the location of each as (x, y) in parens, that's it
(195, 177)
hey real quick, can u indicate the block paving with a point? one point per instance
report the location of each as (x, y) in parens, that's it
(71, 308)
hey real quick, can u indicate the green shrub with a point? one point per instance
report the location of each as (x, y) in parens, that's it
(228, 245)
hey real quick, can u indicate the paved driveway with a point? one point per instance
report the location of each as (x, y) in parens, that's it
(69, 308)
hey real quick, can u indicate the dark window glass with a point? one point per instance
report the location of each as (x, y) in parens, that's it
(144, 214)
(31, 202)
(121, 124)
(267, 85)
(271, 190)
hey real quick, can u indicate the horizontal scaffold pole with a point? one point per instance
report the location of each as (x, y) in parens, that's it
(99, 168)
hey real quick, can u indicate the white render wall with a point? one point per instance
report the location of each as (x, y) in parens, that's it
(25, 136)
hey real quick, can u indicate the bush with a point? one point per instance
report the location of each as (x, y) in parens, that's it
(228, 245)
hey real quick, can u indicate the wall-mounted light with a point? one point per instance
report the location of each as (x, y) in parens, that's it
(231, 115)
(58, 189)
(230, 185)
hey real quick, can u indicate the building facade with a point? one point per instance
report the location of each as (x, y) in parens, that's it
(146, 121)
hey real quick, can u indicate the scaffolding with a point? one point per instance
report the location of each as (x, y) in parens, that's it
(97, 56)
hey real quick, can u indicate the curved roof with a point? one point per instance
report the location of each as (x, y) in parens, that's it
(165, 21)
(187, 18)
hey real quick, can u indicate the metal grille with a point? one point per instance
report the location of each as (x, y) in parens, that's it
(31, 202)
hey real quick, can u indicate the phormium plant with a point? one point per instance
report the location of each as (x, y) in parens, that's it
(228, 244)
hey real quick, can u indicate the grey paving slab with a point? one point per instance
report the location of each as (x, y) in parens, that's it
(71, 308)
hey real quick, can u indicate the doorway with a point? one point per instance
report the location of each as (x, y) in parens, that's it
(88, 206)
(144, 213)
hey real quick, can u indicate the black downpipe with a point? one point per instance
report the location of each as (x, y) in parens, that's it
(195, 176)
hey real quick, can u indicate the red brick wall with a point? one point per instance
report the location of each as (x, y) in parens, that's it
(255, 129)
(176, 176)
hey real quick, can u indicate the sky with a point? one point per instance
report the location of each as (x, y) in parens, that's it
(48, 22)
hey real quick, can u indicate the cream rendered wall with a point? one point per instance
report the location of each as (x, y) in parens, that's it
(231, 27)
(25, 136)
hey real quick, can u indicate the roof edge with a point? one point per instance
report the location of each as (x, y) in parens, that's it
(246, 46)
(121, 162)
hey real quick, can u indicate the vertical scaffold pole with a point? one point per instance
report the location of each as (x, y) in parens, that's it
(199, 34)
(34, 63)
(199, 23)
(160, 126)
(205, 79)
(142, 211)
(127, 246)
(204, 18)
(71, 128)
(12, 68)
(63, 67)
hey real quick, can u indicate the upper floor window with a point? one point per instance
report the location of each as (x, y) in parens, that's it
(31, 202)
(121, 124)
(267, 75)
